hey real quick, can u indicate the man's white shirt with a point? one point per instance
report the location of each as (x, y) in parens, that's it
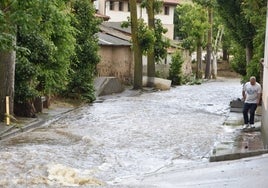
(252, 92)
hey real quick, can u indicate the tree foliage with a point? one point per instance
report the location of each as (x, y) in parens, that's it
(157, 5)
(159, 43)
(10, 19)
(238, 62)
(84, 61)
(209, 6)
(255, 12)
(240, 28)
(193, 26)
(49, 47)
(206, 3)
(8, 26)
(245, 21)
(150, 36)
(56, 47)
(175, 70)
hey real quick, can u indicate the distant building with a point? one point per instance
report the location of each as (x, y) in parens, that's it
(116, 53)
(115, 42)
(118, 11)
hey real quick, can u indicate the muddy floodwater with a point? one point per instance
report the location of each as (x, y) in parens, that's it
(121, 137)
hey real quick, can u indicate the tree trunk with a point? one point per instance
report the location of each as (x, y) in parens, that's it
(215, 52)
(25, 109)
(38, 104)
(136, 49)
(199, 72)
(7, 80)
(150, 55)
(46, 103)
(225, 55)
(249, 53)
(209, 46)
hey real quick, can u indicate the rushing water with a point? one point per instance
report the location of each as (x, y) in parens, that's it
(125, 136)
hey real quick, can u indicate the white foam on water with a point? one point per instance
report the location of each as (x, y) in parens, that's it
(68, 176)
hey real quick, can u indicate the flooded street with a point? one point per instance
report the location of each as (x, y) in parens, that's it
(127, 136)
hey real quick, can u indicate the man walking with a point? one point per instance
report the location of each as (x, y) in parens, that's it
(251, 94)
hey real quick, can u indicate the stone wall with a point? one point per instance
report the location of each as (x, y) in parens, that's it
(162, 68)
(116, 61)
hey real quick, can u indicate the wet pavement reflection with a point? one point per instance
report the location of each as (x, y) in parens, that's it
(129, 135)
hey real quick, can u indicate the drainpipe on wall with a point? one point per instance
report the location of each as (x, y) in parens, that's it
(105, 2)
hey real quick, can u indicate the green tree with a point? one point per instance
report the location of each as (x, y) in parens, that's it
(7, 54)
(240, 28)
(193, 27)
(238, 62)
(136, 47)
(83, 67)
(46, 34)
(150, 38)
(48, 50)
(255, 13)
(208, 4)
(145, 41)
(245, 21)
(158, 48)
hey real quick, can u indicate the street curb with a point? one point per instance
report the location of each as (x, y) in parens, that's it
(12, 131)
(235, 156)
(16, 130)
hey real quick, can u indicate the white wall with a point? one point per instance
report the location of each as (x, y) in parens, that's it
(265, 89)
(119, 16)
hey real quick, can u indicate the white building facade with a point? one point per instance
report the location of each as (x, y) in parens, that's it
(118, 11)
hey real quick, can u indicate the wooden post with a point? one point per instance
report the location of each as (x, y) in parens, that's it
(7, 111)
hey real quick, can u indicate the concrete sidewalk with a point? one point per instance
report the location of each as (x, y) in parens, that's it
(242, 173)
(102, 85)
(239, 143)
(239, 161)
(25, 124)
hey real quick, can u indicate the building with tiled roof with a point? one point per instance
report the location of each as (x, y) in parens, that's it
(115, 42)
(118, 11)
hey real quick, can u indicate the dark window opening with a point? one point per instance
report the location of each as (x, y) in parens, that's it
(111, 5)
(166, 10)
(121, 6)
(128, 7)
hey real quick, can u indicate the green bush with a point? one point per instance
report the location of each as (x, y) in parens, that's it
(175, 70)
(26, 79)
(253, 69)
(238, 63)
(43, 53)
